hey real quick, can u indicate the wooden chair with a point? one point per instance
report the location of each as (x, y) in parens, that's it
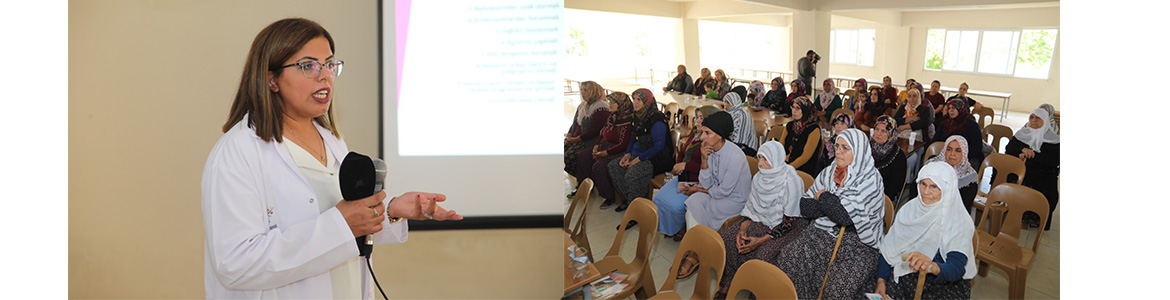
(934, 150)
(577, 211)
(996, 132)
(776, 133)
(640, 280)
(984, 114)
(763, 279)
(1002, 249)
(708, 245)
(754, 164)
(761, 130)
(1004, 165)
(808, 179)
(889, 219)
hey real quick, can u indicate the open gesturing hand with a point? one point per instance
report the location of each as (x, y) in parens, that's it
(421, 206)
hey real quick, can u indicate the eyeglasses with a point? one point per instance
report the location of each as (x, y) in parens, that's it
(312, 68)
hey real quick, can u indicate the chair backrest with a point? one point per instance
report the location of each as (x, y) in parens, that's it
(841, 111)
(808, 179)
(996, 132)
(708, 245)
(754, 164)
(934, 149)
(984, 114)
(889, 219)
(672, 113)
(675, 135)
(577, 211)
(1004, 165)
(761, 129)
(643, 211)
(763, 279)
(1056, 117)
(777, 133)
(688, 116)
(1019, 199)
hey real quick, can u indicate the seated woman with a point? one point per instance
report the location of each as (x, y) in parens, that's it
(840, 123)
(756, 93)
(722, 84)
(905, 94)
(860, 86)
(724, 182)
(888, 158)
(670, 199)
(771, 217)
(935, 97)
(615, 139)
(798, 90)
(744, 133)
(1051, 117)
(955, 155)
(869, 108)
(846, 201)
(648, 154)
(701, 83)
(828, 101)
(918, 117)
(776, 99)
(957, 120)
(932, 224)
(587, 123)
(1039, 146)
(803, 137)
(890, 93)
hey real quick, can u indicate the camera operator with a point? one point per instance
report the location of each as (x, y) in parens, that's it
(807, 68)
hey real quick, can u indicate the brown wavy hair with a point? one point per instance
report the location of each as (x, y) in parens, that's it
(272, 46)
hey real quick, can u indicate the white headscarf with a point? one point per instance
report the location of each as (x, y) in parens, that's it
(1051, 117)
(861, 193)
(745, 126)
(964, 171)
(940, 227)
(1035, 138)
(776, 191)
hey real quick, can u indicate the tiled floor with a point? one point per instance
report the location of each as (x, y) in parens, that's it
(1043, 279)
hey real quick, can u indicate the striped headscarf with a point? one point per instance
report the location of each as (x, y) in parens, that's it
(745, 127)
(861, 193)
(839, 118)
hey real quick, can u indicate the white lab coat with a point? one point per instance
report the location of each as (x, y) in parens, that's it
(265, 237)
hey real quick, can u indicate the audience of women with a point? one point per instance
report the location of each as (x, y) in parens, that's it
(670, 199)
(615, 139)
(840, 123)
(888, 158)
(744, 133)
(803, 137)
(591, 116)
(724, 182)
(848, 206)
(755, 93)
(776, 99)
(700, 88)
(869, 108)
(932, 232)
(1039, 146)
(828, 101)
(957, 120)
(955, 155)
(649, 153)
(770, 219)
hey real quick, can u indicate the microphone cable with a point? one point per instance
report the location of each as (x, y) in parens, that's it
(371, 268)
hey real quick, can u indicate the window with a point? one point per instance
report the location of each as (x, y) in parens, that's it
(742, 46)
(595, 49)
(852, 46)
(1020, 53)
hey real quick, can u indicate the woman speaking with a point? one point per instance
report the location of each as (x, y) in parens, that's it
(274, 223)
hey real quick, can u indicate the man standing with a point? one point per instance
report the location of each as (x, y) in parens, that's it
(806, 68)
(681, 83)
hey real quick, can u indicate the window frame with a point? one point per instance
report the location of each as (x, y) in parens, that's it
(979, 50)
(856, 46)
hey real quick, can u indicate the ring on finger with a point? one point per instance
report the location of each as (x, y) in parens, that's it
(376, 214)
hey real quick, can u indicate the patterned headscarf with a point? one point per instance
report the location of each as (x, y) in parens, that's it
(956, 125)
(943, 226)
(807, 116)
(839, 118)
(625, 111)
(826, 97)
(757, 88)
(590, 93)
(966, 174)
(779, 81)
(883, 152)
(800, 90)
(648, 97)
(861, 193)
(864, 84)
(776, 191)
(1037, 137)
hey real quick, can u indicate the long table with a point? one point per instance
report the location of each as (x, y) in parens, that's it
(1007, 97)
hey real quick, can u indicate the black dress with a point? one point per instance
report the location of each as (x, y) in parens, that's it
(1042, 172)
(893, 170)
(794, 145)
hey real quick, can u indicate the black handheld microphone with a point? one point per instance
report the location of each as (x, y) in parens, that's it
(360, 177)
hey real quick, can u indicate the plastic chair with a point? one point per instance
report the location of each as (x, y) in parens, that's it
(640, 280)
(761, 129)
(672, 114)
(776, 133)
(996, 132)
(687, 118)
(580, 202)
(764, 280)
(1002, 249)
(708, 245)
(889, 219)
(808, 179)
(1004, 165)
(934, 149)
(983, 114)
(754, 164)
